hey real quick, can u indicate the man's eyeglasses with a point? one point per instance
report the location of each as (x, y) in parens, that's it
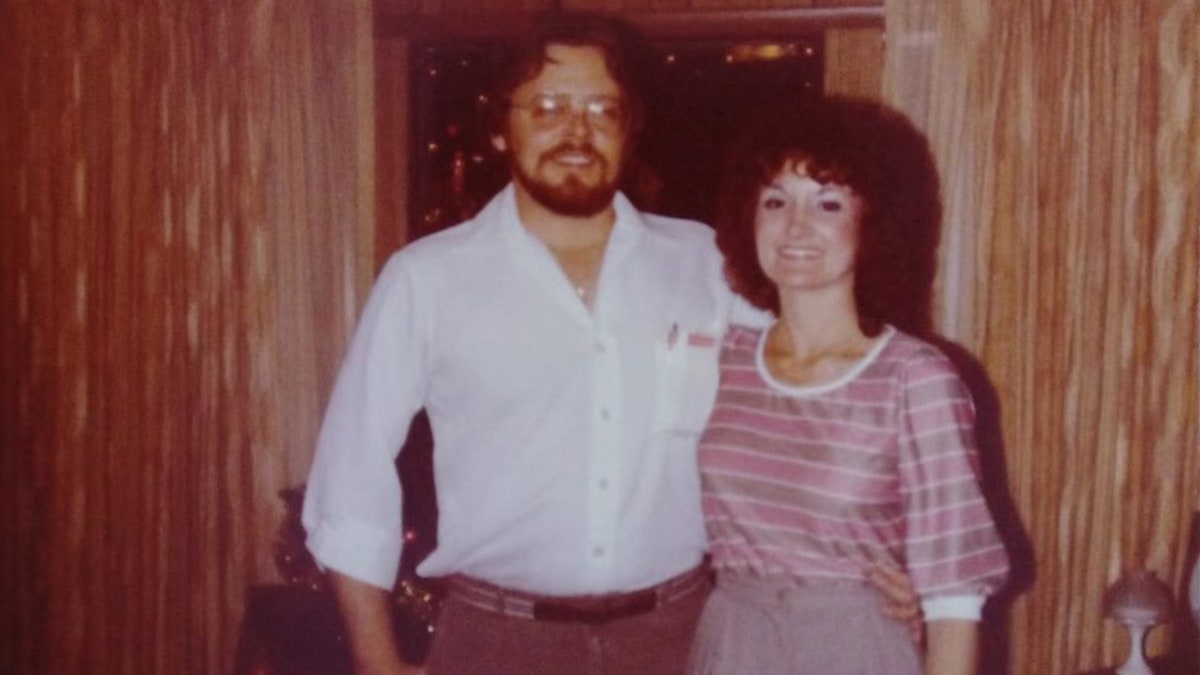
(603, 113)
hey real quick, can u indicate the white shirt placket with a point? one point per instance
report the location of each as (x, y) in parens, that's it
(604, 457)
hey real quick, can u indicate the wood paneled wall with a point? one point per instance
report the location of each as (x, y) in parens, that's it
(1069, 141)
(186, 199)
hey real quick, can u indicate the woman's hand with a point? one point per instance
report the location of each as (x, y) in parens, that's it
(901, 601)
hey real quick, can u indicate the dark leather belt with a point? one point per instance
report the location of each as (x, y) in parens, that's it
(590, 609)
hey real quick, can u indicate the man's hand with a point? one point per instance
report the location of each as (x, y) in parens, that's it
(901, 603)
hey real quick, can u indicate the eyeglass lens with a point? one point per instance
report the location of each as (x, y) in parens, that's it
(603, 112)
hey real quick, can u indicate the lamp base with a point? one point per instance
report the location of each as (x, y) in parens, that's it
(1136, 663)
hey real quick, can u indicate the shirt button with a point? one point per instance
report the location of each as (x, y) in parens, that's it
(600, 348)
(598, 552)
(604, 414)
(603, 483)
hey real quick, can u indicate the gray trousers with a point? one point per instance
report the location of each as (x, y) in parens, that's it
(472, 641)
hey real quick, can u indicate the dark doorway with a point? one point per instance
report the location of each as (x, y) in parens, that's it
(698, 90)
(699, 97)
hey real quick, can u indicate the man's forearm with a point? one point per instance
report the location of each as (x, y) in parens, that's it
(366, 610)
(953, 647)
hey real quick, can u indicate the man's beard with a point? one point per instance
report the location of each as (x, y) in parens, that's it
(572, 197)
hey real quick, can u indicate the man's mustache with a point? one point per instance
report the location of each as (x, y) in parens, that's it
(573, 149)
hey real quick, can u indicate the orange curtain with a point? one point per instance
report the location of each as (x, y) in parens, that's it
(186, 192)
(1069, 143)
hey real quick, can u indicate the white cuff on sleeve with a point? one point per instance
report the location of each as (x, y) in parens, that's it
(356, 550)
(966, 607)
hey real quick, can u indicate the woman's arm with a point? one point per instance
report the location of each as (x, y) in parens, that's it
(953, 647)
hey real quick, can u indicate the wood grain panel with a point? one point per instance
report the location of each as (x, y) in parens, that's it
(854, 61)
(1069, 267)
(187, 197)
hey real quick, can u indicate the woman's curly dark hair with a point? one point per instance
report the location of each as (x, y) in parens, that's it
(876, 152)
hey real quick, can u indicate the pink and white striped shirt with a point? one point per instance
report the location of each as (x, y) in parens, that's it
(880, 466)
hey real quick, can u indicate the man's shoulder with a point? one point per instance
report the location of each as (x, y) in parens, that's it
(451, 239)
(682, 239)
(477, 233)
(680, 229)
(462, 239)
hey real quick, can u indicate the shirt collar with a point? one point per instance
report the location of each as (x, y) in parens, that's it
(628, 228)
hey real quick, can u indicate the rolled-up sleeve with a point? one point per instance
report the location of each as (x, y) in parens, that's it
(352, 507)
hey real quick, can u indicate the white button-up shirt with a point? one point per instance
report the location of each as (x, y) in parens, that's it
(565, 440)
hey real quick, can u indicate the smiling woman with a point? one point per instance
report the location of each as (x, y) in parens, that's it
(806, 231)
(851, 175)
(840, 439)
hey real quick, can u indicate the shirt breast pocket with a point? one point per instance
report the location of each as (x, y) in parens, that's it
(685, 382)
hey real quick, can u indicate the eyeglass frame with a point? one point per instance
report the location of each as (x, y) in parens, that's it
(551, 110)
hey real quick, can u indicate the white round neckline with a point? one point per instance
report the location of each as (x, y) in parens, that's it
(853, 372)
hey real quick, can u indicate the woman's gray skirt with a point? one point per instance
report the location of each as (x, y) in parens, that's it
(777, 626)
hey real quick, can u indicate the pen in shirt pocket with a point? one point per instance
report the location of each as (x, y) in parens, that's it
(694, 338)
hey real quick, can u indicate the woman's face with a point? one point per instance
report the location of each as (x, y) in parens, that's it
(806, 232)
